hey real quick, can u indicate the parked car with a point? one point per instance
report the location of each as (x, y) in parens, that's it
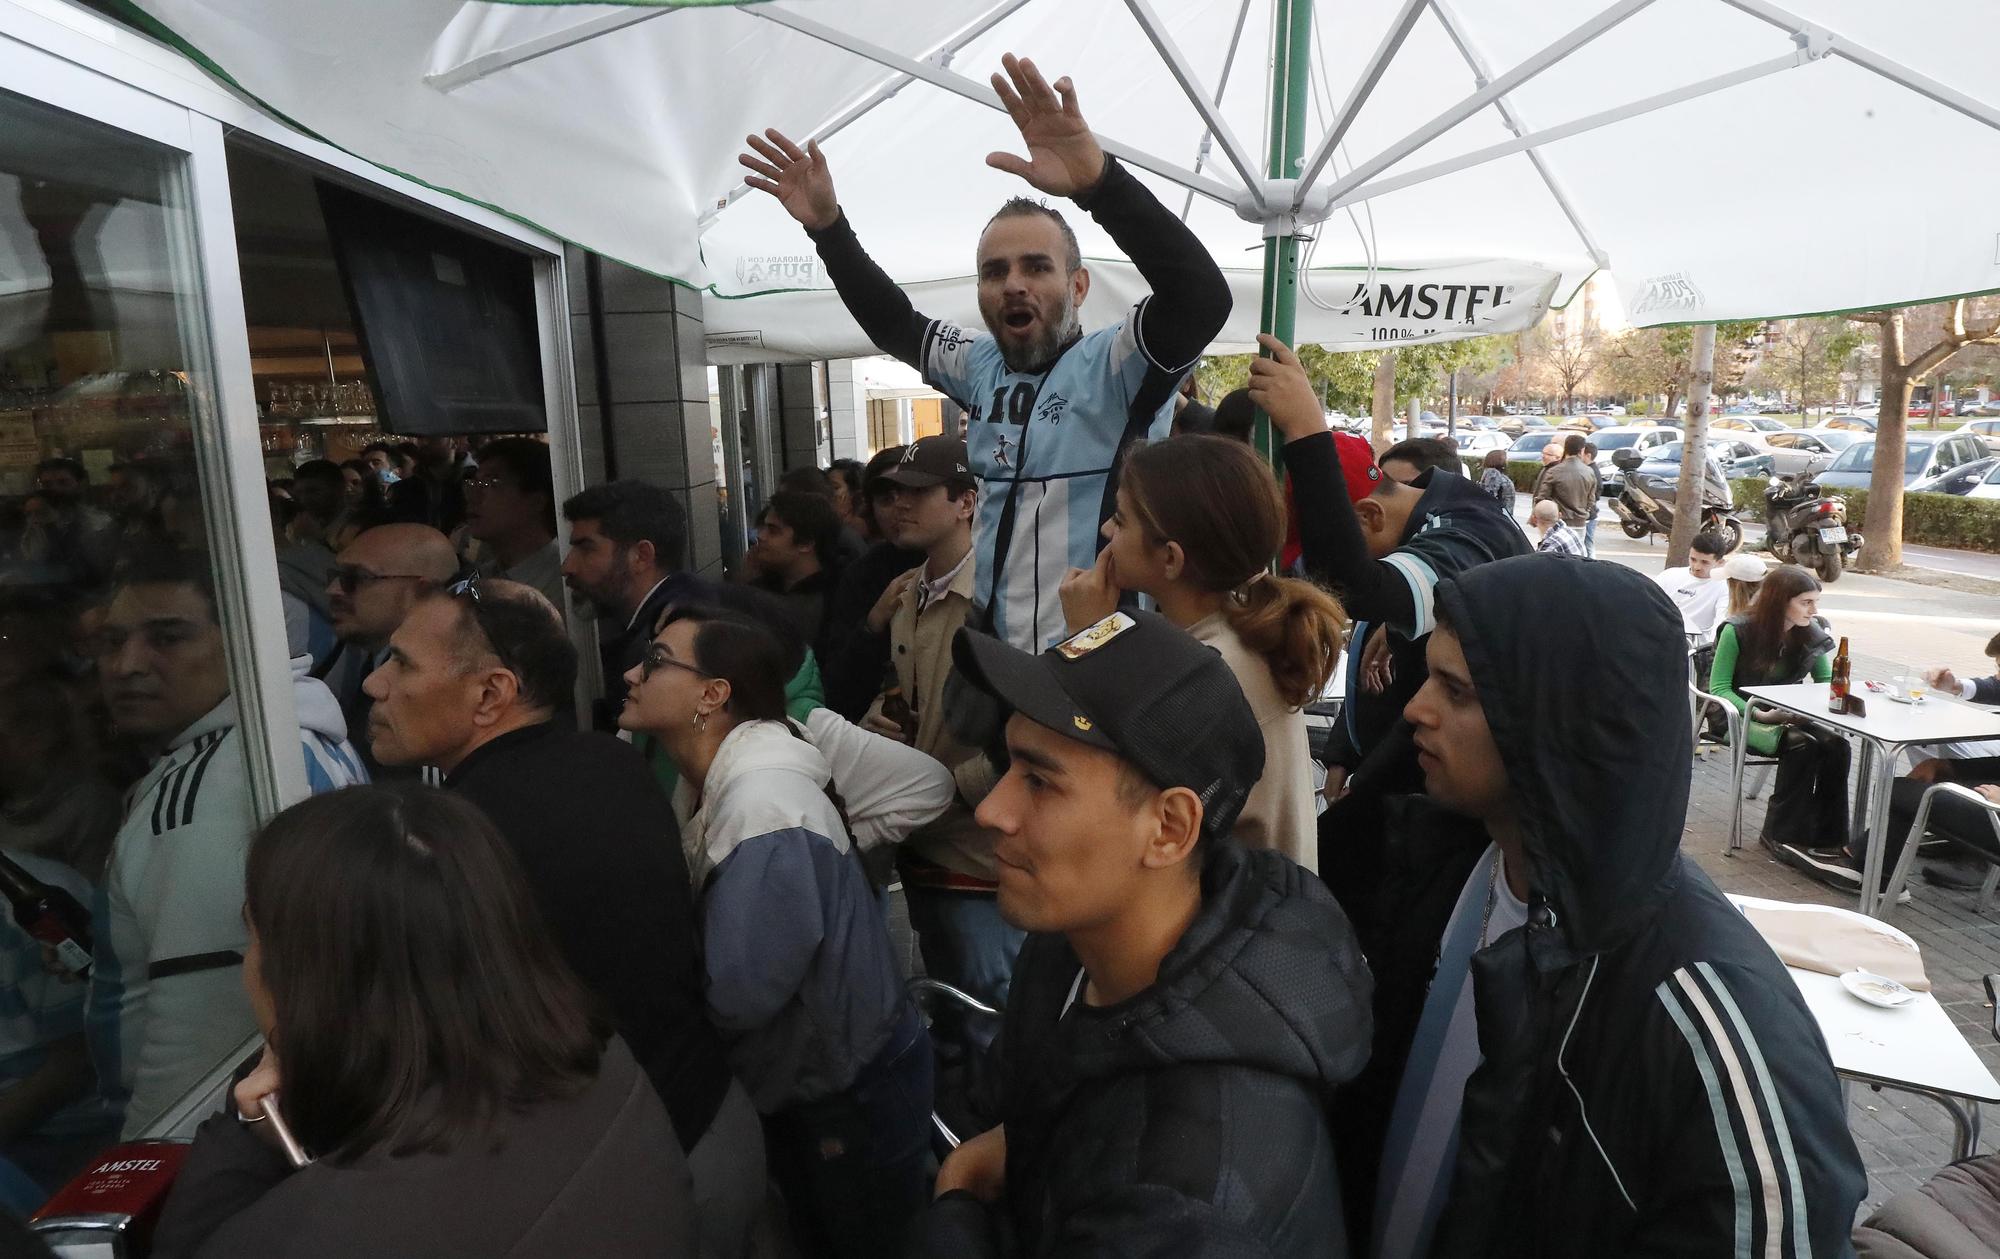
(1922, 410)
(1989, 487)
(1628, 437)
(1478, 441)
(1959, 480)
(1528, 446)
(1804, 451)
(1987, 431)
(1738, 459)
(1742, 422)
(1925, 455)
(1854, 423)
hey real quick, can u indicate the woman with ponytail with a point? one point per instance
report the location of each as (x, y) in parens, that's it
(1198, 521)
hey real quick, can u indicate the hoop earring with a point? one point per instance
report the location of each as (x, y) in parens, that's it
(701, 721)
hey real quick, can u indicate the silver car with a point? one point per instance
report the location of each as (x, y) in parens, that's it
(1796, 452)
(1925, 456)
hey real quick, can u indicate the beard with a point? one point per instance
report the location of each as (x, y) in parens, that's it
(600, 602)
(1034, 355)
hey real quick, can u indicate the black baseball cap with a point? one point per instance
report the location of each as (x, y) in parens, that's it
(1141, 689)
(929, 461)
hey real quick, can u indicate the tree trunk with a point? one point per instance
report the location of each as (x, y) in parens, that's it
(1385, 400)
(1694, 449)
(1673, 401)
(1882, 532)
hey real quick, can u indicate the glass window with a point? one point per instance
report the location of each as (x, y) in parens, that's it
(1855, 458)
(115, 670)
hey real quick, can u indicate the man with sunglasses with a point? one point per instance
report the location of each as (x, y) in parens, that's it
(471, 683)
(375, 580)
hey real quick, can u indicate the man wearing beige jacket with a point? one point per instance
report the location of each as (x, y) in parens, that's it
(947, 866)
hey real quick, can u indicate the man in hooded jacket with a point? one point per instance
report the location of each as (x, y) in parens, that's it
(1182, 1009)
(1630, 1070)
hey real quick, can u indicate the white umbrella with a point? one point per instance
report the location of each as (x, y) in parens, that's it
(1721, 159)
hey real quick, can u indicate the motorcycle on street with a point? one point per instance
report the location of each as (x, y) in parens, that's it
(1646, 504)
(1804, 526)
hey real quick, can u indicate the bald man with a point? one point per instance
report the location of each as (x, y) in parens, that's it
(377, 579)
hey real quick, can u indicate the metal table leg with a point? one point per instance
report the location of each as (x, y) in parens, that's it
(1882, 764)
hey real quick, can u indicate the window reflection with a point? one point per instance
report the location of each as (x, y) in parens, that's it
(114, 674)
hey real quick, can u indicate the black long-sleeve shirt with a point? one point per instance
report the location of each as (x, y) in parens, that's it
(1453, 527)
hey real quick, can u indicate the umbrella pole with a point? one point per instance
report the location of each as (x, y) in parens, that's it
(1291, 64)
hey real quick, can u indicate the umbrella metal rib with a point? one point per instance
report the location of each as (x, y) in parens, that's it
(939, 56)
(981, 94)
(1177, 65)
(1364, 87)
(1482, 73)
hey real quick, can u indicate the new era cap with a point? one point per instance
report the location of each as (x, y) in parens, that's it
(929, 461)
(1135, 686)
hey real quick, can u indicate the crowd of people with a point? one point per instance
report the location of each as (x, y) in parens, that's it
(537, 981)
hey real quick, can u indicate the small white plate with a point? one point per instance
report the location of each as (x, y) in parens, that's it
(1876, 989)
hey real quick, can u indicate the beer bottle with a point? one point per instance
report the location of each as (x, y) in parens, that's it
(48, 914)
(1837, 691)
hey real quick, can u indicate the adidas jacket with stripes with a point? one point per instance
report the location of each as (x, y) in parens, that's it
(1651, 1081)
(166, 999)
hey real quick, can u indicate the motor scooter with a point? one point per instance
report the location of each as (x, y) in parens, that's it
(1646, 504)
(1804, 526)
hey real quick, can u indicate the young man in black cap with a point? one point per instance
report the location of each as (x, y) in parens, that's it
(1182, 1009)
(947, 865)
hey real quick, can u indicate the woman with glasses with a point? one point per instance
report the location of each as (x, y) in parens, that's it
(447, 1086)
(802, 980)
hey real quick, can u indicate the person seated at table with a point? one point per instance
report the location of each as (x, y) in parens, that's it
(1984, 690)
(1744, 573)
(1783, 641)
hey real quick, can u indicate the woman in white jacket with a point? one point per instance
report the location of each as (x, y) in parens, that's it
(802, 979)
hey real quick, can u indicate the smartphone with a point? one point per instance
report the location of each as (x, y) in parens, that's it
(294, 1152)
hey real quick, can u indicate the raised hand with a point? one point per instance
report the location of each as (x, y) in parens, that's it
(797, 177)
(1280, 388)
(1063, 157)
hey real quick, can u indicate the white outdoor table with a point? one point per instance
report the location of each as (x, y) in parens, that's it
(1888, 728)
(1914, 1048)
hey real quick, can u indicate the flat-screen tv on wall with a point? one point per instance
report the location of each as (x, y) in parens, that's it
(446, 319)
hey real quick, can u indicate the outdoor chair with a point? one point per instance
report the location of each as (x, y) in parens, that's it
(1989, 853)
(961, 1066)
(1755, 770)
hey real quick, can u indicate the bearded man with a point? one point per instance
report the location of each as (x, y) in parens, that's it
(1051, 408)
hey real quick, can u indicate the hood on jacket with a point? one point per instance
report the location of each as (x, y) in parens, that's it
(788, 790)
(318, 711)
(1588, 704)
(1268, 975)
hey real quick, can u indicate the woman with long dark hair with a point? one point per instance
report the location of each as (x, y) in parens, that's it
(457, 1091)
(803, 983)
(1782, 640)
(1198, 521)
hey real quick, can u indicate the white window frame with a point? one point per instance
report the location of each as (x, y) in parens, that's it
(81, 63)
